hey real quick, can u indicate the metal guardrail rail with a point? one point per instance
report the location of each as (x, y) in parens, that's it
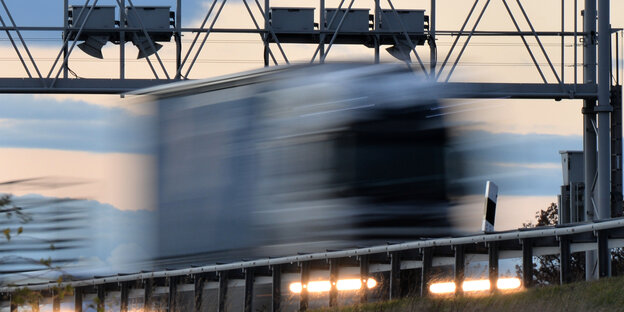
(386, 262)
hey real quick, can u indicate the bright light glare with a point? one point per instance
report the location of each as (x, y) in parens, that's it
(508, 283)
(478, 285)
(349, 284)
(295, 288)
(442, 288)
(319, 286)
(341, 285)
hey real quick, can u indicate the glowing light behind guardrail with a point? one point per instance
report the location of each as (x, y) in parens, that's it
(476, 285)
(349, 284)
(442, 288)
(510, 283)
(325, 286)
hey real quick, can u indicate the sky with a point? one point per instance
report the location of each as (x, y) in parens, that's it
(101, 143)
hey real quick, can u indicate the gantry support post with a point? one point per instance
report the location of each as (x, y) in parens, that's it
(427, 261)
(459, 268)
(589, 124)
(527, 262)
(493, 264)
(604, 109)
(616, 151)
(433, 51)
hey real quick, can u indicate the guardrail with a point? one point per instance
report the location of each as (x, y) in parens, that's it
(320, 278)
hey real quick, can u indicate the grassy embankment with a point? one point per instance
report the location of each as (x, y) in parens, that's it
(603, 295)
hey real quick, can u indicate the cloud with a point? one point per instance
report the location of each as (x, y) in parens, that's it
(122, 180)
(72, 125)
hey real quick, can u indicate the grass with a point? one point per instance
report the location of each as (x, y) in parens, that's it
(603, 295)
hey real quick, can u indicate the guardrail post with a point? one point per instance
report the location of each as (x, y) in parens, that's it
(147, 294)
(249, 285)
(527, 262)
(364, 278)
(395, 275)
(427, 259)
(173, 292)
(305, 277)
(125, 289)
(604, 255)
(223, 287)
(199, 282)
(56, 304)
(276, 286)
(101, 296)
(493, 264)
(458, 269)
(565, 274)
(333, 280)
(77, 299)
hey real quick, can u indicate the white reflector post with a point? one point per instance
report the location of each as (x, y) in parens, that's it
(489, 211)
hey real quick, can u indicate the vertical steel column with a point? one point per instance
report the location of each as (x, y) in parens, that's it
(265, 35)
(333, 280)
(603, 110)
(147, 294)
(77, 299)
(493, 264)
(173, 293)
(249, 286)
(56, 304)
(375, 25)
(433, 50)
(305, 277)
(427, 259)
(604, 255)
(364, 278)
(322, 29)
(589, 121)
(565, 272)
(199, 282)
(178, 25)
(276, 292)
(459, 268)
(122, 39)
(616, 151)
(223, 287)
(65, 26)
(125, 290)
(395, 275)
(527, 262)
